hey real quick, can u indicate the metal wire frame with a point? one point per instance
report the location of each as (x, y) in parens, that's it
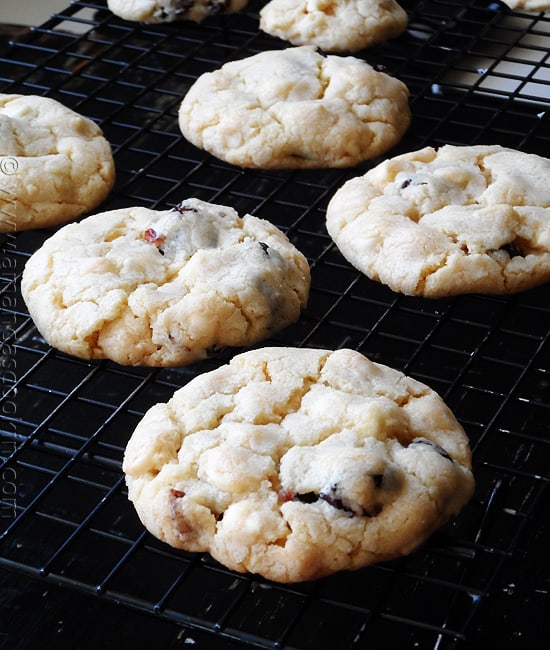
(65, 516)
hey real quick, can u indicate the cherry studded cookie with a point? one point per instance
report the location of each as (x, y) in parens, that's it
(334, 25)
(435, 223)
(297, 463)
(54, 164)
(162, 288)
(295, 108)
(532, 5)
(167, 11)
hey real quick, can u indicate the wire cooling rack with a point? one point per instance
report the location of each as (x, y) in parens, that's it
(477, 73)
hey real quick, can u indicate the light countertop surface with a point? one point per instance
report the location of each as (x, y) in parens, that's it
(35, 12)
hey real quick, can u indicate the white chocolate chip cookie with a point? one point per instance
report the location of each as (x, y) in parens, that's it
(295, 108)
(167, 11)
(334, 25)
(54, 164)
(296, 463)
(529, 5)
(434, 223)
(162, 288)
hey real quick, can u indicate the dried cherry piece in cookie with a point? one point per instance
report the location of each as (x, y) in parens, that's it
(184, 207)
(433, 445)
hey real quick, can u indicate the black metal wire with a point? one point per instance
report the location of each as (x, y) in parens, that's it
(65, 422)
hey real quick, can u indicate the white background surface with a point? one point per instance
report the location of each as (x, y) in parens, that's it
(29, 12)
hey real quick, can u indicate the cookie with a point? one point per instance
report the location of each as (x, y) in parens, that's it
(295, 108)
(164, 288)
(530, 5)
(460, 219)
(167, 11)
(334, 25)
(54, 164)
(296, 463)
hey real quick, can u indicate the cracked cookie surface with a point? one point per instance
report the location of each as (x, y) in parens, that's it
(295, 108)
(167, 11)
(162, 288)
(332, 25)
(54, 163)
(297, 463)
(443, 222)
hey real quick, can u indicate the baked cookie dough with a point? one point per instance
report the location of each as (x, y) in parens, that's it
(54, 164)
(334, 25)
(297, 463)
(435, 223)
(167, 11)
(530, 5)
(164, 288)
(295, 108)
